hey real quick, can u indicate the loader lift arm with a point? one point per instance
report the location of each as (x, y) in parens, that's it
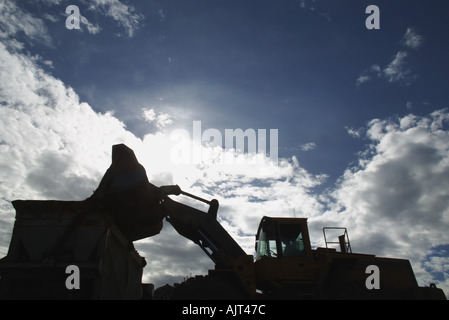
(203, 229)
(234, 269)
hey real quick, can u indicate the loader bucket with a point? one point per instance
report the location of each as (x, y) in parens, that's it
(126, 194)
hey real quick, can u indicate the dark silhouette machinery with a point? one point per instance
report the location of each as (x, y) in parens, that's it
(96, 235)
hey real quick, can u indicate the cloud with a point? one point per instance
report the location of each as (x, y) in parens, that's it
(91, 28)
(362, 79)
(16, 21)
(125, 15)
(308, 146)
(302, 147)
(411, 39)
(396, 201)
(51, 2)
(171, 258)
(161, 15)
(355, 133)
(368, 74)
(307, 4)
(312, 6)
(398, 70)
(161, 119)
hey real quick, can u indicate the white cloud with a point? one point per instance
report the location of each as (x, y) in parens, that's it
(398, 70)
(161, 15)
(161, 119)
(91, 28)
(149, 115)
(307, 4)
(396, 203)
(368, 74)
(125, 15)
(52, 2)
(362, 79)
(15, 21)
(313, 6)
(355, 133)
(411, 39)
(308, 146)
(52, 146)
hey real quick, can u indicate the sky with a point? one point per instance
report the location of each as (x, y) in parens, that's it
(361, 116)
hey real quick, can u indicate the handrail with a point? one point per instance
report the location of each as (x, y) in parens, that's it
(343, 240)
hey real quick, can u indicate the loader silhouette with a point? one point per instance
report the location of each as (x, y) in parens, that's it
(97, 235)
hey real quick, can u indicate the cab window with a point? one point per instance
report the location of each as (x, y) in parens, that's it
(291, 240)
(266, 245)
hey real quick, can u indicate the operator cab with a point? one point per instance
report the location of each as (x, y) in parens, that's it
(282, 238)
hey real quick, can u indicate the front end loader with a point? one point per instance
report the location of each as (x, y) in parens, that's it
(96, 236)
